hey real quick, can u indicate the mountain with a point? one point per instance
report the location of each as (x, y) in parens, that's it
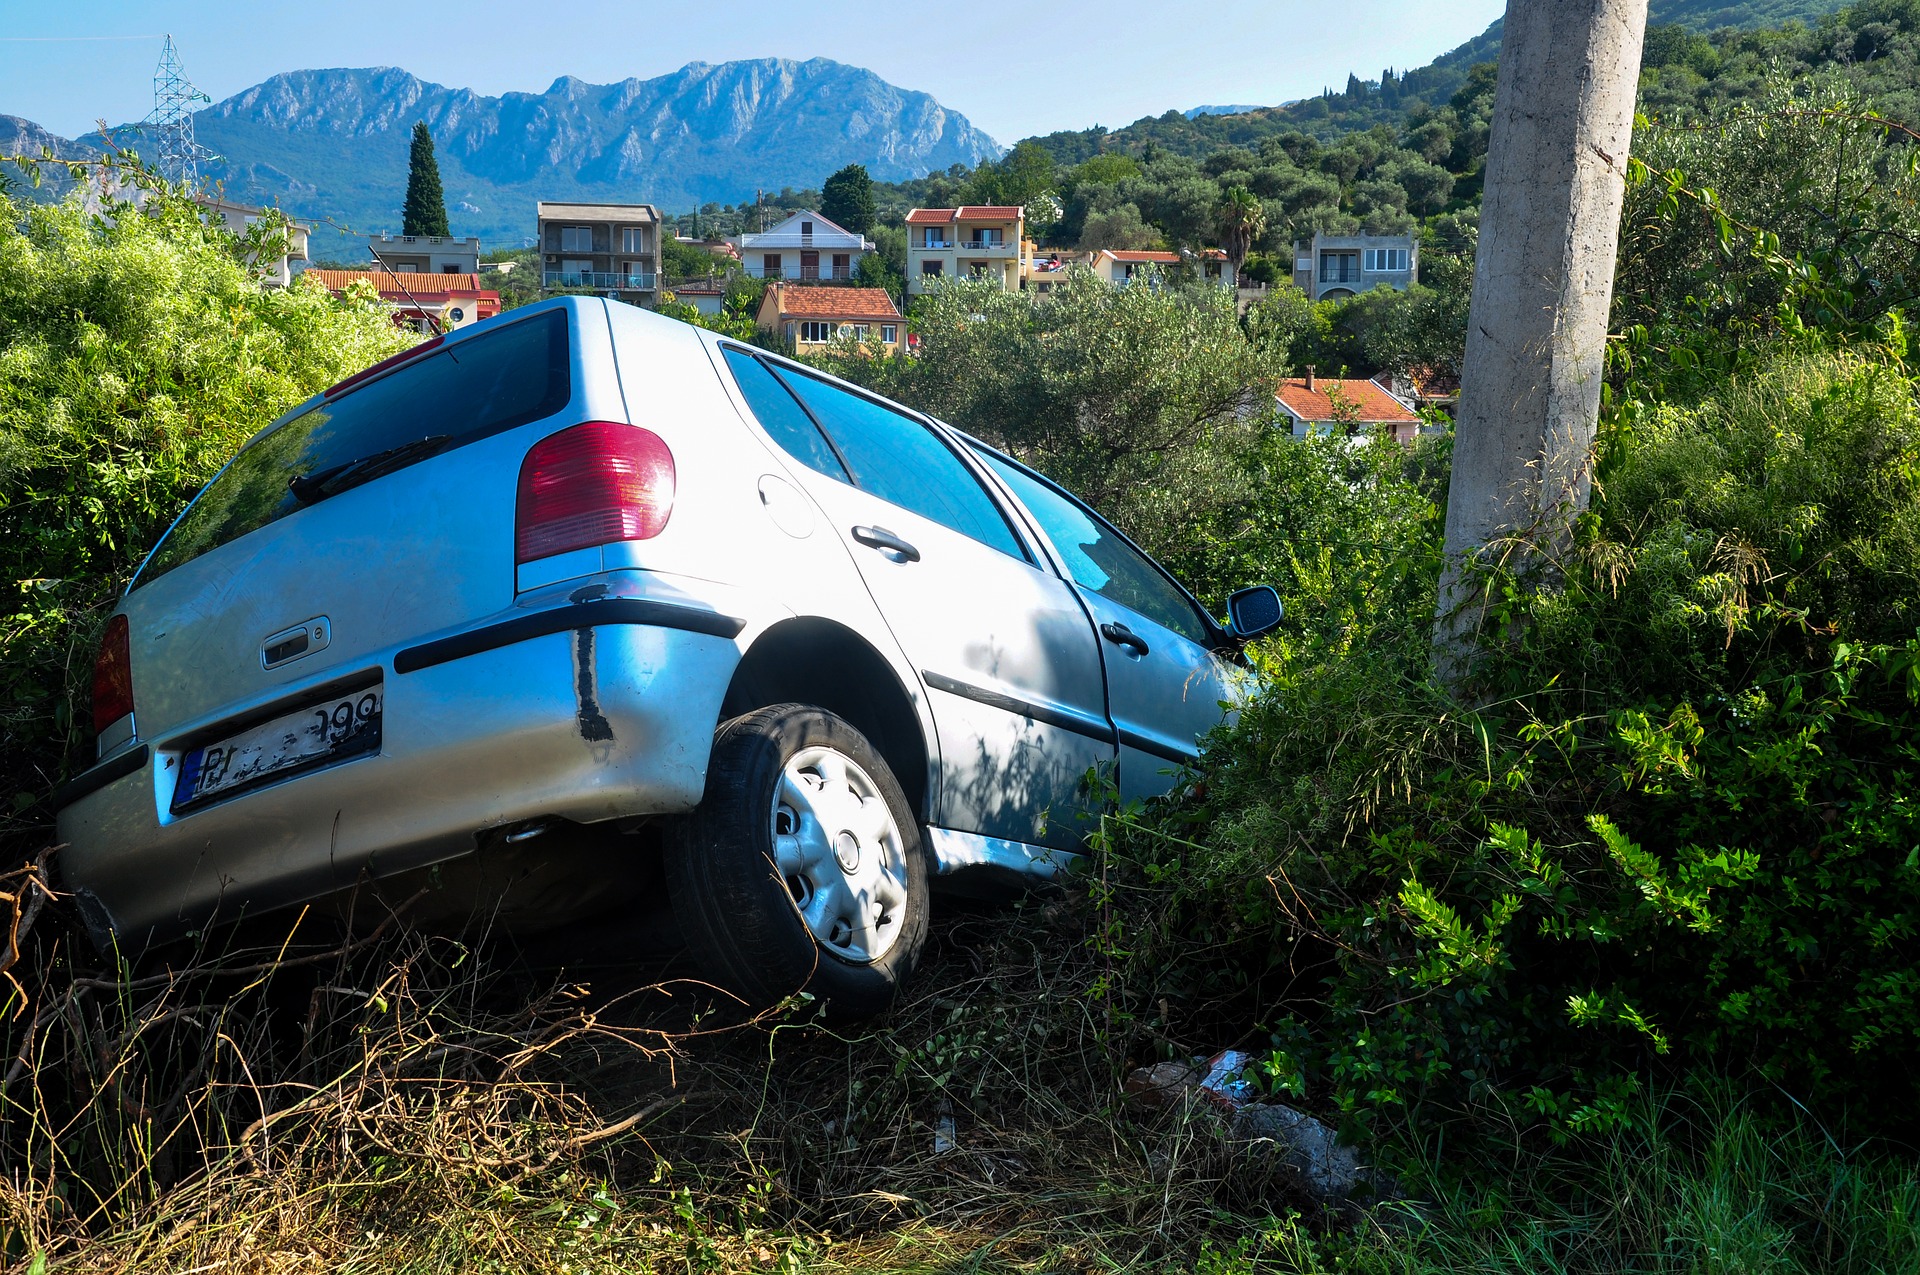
(1192, 111)
(332, 144)
(24, 137)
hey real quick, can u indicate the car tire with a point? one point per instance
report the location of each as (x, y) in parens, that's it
(803, 869)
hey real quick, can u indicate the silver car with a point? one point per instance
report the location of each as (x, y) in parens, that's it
(792, 649)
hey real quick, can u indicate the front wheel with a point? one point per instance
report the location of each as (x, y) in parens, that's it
(803, 867)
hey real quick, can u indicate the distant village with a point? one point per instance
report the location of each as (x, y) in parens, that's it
(805, 288)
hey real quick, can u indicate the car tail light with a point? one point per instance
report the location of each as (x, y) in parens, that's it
(112, 676)
(591, 485)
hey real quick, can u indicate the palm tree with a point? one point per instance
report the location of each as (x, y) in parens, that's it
(1241, 219)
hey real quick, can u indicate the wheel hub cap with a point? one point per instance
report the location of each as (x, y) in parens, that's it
(841, 853)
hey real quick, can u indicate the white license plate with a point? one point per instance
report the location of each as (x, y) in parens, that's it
(308, 737)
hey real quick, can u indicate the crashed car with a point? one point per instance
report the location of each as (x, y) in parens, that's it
(797, 650)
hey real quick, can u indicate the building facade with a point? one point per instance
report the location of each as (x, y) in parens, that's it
(804, 246)
(278, 270)
(978, 241)
(1343, 265)
(425, 254)
(814, 316)
(612, 249)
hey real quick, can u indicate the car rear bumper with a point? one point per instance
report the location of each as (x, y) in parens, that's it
(589, 712)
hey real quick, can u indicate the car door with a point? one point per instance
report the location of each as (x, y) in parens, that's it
(1008, 654)
(1165, 684)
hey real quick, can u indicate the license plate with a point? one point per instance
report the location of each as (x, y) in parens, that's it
(300, 740)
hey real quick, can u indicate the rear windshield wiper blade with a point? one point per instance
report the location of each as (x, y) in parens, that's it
(310, 489)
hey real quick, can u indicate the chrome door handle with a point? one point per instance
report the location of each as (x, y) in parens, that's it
(881, 538)
(1121, 635)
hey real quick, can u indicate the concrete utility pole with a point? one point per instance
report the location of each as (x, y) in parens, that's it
(1542, 284)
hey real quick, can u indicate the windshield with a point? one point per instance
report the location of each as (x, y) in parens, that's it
(458, 394)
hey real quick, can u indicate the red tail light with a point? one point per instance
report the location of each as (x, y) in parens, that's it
(112, 676)
(591, 485)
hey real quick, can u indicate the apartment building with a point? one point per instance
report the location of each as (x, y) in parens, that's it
(612, 249)
(425, 254)
(978, 241)
(813, 316)
(804, 246)
(1342, 265)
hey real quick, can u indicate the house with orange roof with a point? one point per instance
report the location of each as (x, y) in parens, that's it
(1119, 266)
(1343, 406)
(813, 316)
(976, 241)
(421, 301)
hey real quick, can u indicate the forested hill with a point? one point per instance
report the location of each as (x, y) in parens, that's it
(1364, 103)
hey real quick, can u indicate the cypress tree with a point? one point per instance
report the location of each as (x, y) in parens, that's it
(426, 208)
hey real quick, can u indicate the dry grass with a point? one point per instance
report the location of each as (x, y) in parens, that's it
(407, 1102)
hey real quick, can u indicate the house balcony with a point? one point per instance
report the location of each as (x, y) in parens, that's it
(984, 248)
(936, 246)
(601, 280)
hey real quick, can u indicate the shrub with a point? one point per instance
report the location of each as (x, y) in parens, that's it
(1672, 824)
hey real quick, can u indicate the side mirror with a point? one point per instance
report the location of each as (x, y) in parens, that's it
(1254, 611)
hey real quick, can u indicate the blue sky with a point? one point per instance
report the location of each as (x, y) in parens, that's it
(1013, 69)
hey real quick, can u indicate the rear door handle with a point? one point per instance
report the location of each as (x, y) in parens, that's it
(1121, 635)
(881, 538)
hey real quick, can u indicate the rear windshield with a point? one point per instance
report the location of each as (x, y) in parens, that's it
(456, 395)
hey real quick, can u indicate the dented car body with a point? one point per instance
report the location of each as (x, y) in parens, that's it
(519, 576)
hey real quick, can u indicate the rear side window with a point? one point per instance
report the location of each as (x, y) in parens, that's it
(454, 396)
(899, 460)
(782, 417)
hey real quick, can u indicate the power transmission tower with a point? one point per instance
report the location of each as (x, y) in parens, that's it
(176, 153)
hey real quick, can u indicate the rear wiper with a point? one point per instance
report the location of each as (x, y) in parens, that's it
(310, 489)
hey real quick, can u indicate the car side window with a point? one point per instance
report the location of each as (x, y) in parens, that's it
(1097, 558)
(782, 416)
(902, 462)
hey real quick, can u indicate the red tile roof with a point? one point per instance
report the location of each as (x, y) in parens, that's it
(398, 286)
(1373, 404)
(968, 212)
(1164, 258)
(835, 303)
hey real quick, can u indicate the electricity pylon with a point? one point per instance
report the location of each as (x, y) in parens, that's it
(176, 154)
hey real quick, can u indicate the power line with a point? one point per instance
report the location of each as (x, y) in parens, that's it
(70, 39)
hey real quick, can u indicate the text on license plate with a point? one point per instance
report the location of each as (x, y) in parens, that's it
(306, 737)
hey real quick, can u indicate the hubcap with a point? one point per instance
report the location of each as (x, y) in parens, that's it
(841, 854)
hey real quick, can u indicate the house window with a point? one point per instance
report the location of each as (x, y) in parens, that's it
(1339, 267)
(818, 333)
(889, 333)
(985, 238)
(806, 229)
(933, 267)
(407, 267)
(770, 265)
(451, 268)
(576, 239)
(858, 331)
(933, 237)
(842, 265)
(1380, 260)
(634, 239)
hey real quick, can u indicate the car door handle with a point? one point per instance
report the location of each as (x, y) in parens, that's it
(1121, 635)
(881, 538)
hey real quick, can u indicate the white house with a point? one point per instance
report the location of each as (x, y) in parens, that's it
(805, 245)
(234, 217)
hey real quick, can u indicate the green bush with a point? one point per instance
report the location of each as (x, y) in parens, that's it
(137, 351)
(1672, 824)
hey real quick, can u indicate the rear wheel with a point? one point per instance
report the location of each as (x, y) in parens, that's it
(803, 868)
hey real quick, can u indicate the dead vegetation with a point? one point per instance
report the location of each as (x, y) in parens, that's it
(297, 1101)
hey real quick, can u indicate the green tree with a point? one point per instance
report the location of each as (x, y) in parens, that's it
(1117, 228)
(846, 199)
(1241, 221)
(425, 212)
